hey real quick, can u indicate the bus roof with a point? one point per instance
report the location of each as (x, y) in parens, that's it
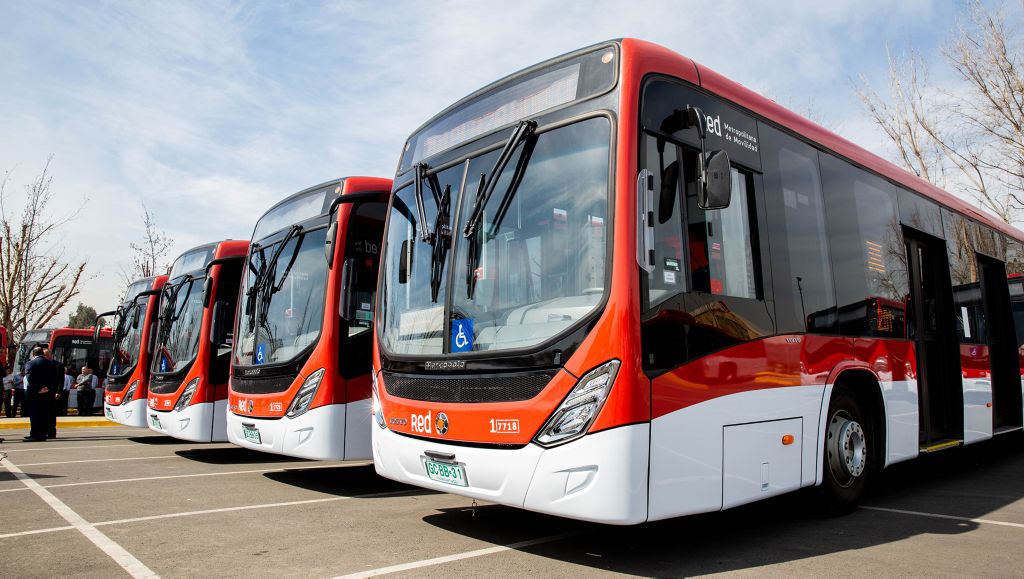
(660, 58)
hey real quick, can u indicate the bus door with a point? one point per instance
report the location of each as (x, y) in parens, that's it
(930, 325)
(1002, 342)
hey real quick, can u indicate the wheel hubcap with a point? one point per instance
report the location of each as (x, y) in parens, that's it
(847, 448)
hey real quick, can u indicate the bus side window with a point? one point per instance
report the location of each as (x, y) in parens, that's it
(668, 276)
(801, 272)
(722, 241)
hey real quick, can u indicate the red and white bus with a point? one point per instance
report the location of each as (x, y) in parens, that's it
(70, 347)
(300, 382)
(127, 385)
(619, 287)
(188, 386)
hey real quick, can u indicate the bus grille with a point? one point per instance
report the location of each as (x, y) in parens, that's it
(163, 385)
(270, 385)
(477, 388)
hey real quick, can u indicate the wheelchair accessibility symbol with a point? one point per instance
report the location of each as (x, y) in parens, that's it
(462, 335)
(261, 353)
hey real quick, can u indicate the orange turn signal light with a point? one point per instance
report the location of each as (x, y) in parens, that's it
(788, 439)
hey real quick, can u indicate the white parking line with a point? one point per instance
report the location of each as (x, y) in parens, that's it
(949, 517)
(101, 460)
(37, 531)
(38, 448)
(456, 557)
(295, 468)
(122, 557)
(252, 507)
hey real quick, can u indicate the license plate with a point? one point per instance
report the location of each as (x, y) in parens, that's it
(446, 472)
(110, 413)
(154, 420)
(251, 434)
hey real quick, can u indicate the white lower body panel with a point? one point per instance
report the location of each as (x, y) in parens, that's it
(902, 420)
(197, 422)
(131, 414)
(601, 477)
(977, 409)
(687, 449)
(319, 434)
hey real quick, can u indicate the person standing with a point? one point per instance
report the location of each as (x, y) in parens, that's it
(38, 394)
(55, 386)
(87, 385)
(9, 396)
(65, 392)
(18, 394)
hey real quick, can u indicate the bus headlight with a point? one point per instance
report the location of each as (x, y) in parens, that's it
(577, 412)
(304, 397)
(378, 412)
(130, 393)
(186, 396)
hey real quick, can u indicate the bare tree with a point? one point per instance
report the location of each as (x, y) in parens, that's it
(36, 281)
(968, 137)
(148, 256)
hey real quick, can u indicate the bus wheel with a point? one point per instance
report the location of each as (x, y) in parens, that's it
(847, 451)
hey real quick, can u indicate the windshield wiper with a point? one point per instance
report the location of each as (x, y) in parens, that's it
(263, 275)
(441, 239)
(523, 134)
(421, 210)
(523, 130)
(166, 321)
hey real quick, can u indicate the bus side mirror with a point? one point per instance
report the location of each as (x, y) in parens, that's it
(715, 188)
(220, 329)
(404, 260)
(332, 235)
(96, 331)
(346, 305)
(136, 317)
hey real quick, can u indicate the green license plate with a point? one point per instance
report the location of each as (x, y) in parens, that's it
(251, 434)
(446, 472)
(154, 420)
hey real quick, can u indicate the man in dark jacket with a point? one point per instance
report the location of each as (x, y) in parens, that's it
(40, 375)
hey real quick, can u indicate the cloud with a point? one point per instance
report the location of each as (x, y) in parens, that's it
(211, 112)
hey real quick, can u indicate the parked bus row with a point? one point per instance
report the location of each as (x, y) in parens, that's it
(615, 286)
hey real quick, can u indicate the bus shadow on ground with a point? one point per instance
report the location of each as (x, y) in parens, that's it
(779, 530)
(343, 481)
(157, 440)
(234, 455)
(6, 476)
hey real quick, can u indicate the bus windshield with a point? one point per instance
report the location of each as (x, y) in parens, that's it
(535, 266)
(29, 341)
(128, 327)
(180, 323)
(283, 301)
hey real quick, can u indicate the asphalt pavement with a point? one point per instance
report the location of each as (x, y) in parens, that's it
(112, 501)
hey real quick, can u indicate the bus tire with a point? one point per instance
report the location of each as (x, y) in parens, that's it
(847, 456)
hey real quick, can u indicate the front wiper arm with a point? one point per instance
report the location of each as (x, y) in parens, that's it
(523, 133)
(421, 210)
(523, 130)
(441, 239)
(264, 275)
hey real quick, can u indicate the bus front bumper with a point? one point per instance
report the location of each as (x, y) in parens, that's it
(318, 434)
(203, 422)
(601, 477)
(131, 414)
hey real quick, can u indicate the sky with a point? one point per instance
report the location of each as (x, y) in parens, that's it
(209, 112)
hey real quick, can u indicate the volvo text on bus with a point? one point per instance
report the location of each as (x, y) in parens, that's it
(620, 287)
(188, 387)
(300, 381)
(127, 386)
